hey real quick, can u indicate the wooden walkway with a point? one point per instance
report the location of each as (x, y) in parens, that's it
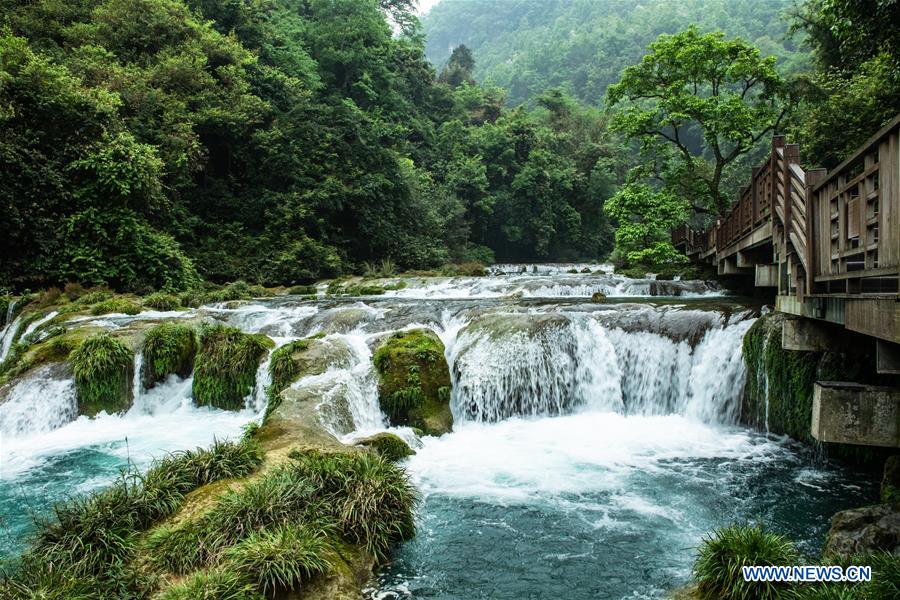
(828, 241)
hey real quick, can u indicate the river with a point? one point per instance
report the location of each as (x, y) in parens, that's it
(594, 444)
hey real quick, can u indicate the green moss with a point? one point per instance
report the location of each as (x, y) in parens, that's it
(162, 301)
(103, 368)
(168, 348)
(225, 369)
(115, 305)
(303, 290)
(284, 368)
(414, 381)
(387, 445)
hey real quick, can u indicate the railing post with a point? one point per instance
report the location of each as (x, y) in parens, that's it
(813, 177)
(791, 155)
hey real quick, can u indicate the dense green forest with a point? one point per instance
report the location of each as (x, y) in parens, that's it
(149, 142)
(157, 144)
(581, 46)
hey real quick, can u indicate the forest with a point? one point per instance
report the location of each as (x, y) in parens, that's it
(159, 144)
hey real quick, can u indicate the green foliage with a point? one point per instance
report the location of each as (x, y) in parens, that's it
(283, 369)
(282, 558)
(284, 524)
(168, 348)
(389, 446)
(218, 584)
(723, 553)
(162, 301)
(225, 368)
(582, 46)
(645, 220)
(690, 83)
(115, 305)
(303, 290)
(85, 549)
(412, 371)
(103, 368)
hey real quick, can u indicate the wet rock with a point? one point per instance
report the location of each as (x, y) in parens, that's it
(598, 297)
(865, 529)
(414, 381)
(388, 445)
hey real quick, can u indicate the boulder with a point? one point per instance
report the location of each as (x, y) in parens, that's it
(389, 446)
(414, 381)
(865, 529)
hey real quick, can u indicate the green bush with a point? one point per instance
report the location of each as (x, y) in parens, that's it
(162, 301)
(85, 549)
(168, 348)
(94, 295)
(303, 290)
(723, 553)
(217, 584)
(358, 497)
(103, 368)
(283, 369)
(115, 305)
(225, 369)
(388, 446)
(466, 269)
(237, 290)
(283, 558)
(885, 581)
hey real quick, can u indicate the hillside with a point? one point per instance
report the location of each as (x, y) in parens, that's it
(583, 45)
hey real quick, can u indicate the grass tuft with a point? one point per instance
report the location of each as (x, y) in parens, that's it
(725, 551)
(103, 368)
(215, 584)
(168, 348)
(225, 369)
(388, 445)
(162, 301)
(115, 305)
(283, 558)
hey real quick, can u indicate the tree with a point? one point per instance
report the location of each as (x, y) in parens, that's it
(459, 68)
(645, 219)
(699, 85)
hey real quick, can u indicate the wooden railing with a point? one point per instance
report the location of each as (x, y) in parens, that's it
(835, 232)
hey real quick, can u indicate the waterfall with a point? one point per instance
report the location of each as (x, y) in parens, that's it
(34, 325)
(9, 336)
(532, 364)
(38, 403)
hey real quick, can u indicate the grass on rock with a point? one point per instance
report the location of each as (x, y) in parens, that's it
(168, 348)
(103, 368)
(225, 369)
(115, 305)
(162, 301)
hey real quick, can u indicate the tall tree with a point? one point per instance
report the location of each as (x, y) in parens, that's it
(698, 84)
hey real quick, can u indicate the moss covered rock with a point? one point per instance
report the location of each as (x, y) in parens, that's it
(225, 369)
(309, 356)
(103, 368)
(387, 445)
(162, 301)
(414, 381)
(168, 348)
(116, 306)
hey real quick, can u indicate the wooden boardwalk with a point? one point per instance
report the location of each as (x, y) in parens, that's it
(828, 241)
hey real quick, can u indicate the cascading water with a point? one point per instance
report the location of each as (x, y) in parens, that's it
(593, 444)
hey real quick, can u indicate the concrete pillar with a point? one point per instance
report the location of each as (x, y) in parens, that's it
(850, 413)
(809, 336)
(887, 357)
(766, 276)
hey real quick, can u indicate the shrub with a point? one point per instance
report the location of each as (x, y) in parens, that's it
(370, 499)
(49, 296)
(237, 290)
(95, 295)
(225, 369)
(103, 369)
(885, 581)
(388, 446)
(722, 554)
(283, 558)
(466, 269)
(192, 298)
(74, 291)
(162, 301)
(303, 290)
(283, 368)
(168, 348)
(5, 300)
(115, 305)
(218, 584)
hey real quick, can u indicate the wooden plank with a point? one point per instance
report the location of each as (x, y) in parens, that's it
(853, 219)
